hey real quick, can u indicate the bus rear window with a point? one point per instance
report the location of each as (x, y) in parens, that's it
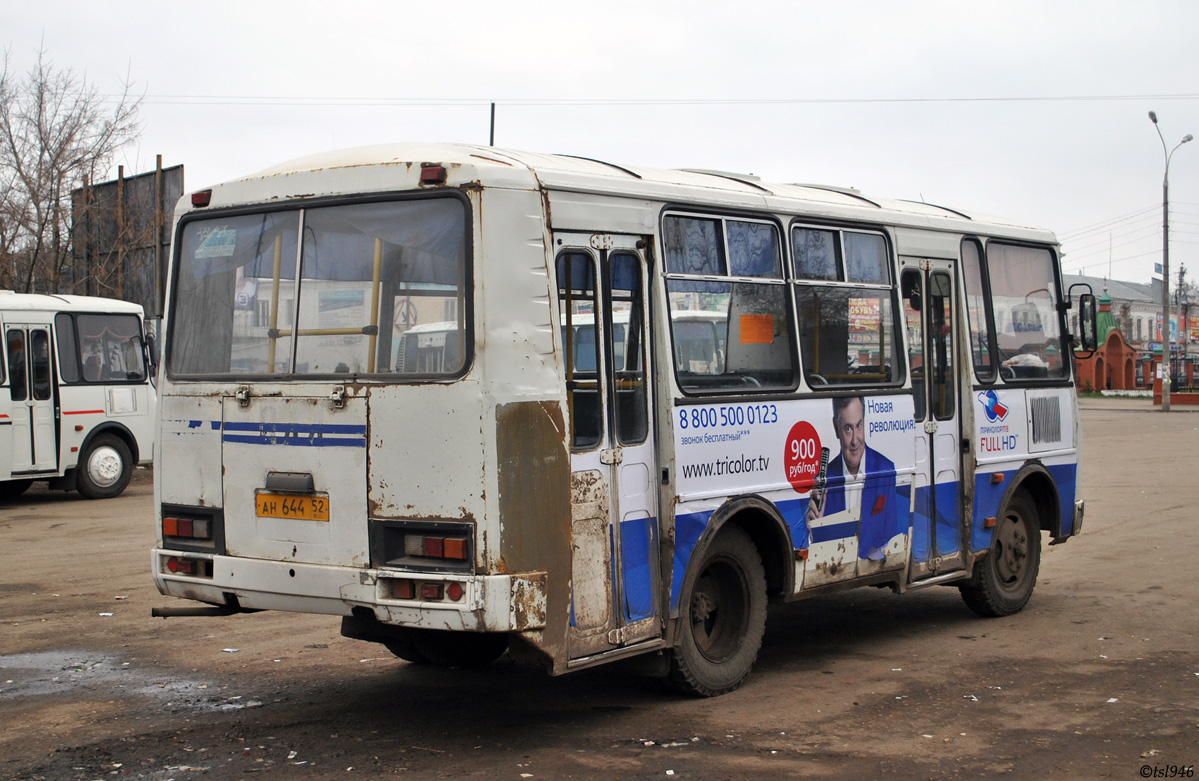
(365, 288)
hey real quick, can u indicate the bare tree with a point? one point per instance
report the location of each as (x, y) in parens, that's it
(56, 133)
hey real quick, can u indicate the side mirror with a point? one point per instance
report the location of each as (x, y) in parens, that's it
(1089, 330)
(151, 330)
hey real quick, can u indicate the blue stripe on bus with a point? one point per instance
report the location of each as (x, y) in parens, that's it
(636, 539)
(324, 428)
(834, 531)
(687, 530)
(299, 440)
(942, 521)
(289, 434)
(1065, 475)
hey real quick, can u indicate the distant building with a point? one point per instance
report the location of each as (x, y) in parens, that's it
(1134, 310)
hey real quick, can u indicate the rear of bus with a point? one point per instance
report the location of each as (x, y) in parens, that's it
(328, 442)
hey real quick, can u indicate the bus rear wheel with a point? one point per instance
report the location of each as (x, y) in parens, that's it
(104, 468)
(1004, 579)
(722, 617)
(11, 489)
(459, 649)
(402, 643)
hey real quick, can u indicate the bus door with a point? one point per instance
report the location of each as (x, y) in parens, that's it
(31, 391)
(930, 317)
(603, 315)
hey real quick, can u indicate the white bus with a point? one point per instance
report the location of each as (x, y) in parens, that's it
(76, 405)
(475, 400)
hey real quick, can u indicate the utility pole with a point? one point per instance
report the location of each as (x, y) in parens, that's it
(1166, 260)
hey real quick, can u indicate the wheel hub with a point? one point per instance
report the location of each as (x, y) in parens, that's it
(702, 606)
(104, 467)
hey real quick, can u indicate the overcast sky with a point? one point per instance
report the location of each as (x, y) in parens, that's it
(1031, 110)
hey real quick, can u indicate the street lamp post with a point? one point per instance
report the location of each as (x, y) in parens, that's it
(1166, 260)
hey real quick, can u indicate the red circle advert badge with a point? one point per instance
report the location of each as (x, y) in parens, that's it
(802, 456)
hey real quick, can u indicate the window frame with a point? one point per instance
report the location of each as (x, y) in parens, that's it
(988, 323)
(779, 279)
(302, 205)
(1066, 378)
(899, 358)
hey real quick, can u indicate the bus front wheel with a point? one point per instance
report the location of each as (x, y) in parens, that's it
(104, 468)
(1004, 579)
(722, 617)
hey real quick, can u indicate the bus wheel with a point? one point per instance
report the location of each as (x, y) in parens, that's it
(104, 468)
(460, 649)
(722, 618)
(1004, 579)
(11, 489)
(403, 645)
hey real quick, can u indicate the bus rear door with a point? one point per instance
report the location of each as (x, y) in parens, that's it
(938, 536)
(614, 519)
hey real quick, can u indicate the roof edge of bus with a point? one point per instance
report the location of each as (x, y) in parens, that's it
(10, 299)
(570, 171)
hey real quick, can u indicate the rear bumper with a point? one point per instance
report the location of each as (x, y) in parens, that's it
(490, 603)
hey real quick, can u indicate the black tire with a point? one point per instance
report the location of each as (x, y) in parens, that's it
(11, 489)
(1004, 579)
(403, 645)
(722, 617)
(460, 649)
(104, 468)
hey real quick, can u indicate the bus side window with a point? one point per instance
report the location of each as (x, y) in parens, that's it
(576, 297)
(68, 353)
(16, 364)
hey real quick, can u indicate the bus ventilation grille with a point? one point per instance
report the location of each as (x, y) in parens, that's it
(1046, 419)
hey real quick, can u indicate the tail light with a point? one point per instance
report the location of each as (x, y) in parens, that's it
(181, 565)
(424, 590)
(186, 528)
(429, 546)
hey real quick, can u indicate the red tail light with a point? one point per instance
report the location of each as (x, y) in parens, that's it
(403, 589)
(432, 173)
(186, 528)
(181, 566)
(202, 198)
(431, 590)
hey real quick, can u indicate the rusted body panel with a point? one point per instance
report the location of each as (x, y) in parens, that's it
(534, 507)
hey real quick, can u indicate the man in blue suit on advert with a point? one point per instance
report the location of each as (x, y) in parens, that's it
(859, 478)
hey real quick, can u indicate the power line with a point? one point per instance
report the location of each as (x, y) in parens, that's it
(1105, 223)
(326, 101)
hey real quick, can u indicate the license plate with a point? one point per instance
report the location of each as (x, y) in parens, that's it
(291, 507)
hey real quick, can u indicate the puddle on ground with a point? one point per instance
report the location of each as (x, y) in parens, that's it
(50, 673)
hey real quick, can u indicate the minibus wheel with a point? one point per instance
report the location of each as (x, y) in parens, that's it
(1004, 579)
(105, 467)
(403, 645)
(11, 489)
(460, 649)
(722, 617)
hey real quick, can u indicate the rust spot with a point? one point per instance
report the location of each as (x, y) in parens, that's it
(588, 488)
(528, 601)
(545, 204)
(501, 566)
